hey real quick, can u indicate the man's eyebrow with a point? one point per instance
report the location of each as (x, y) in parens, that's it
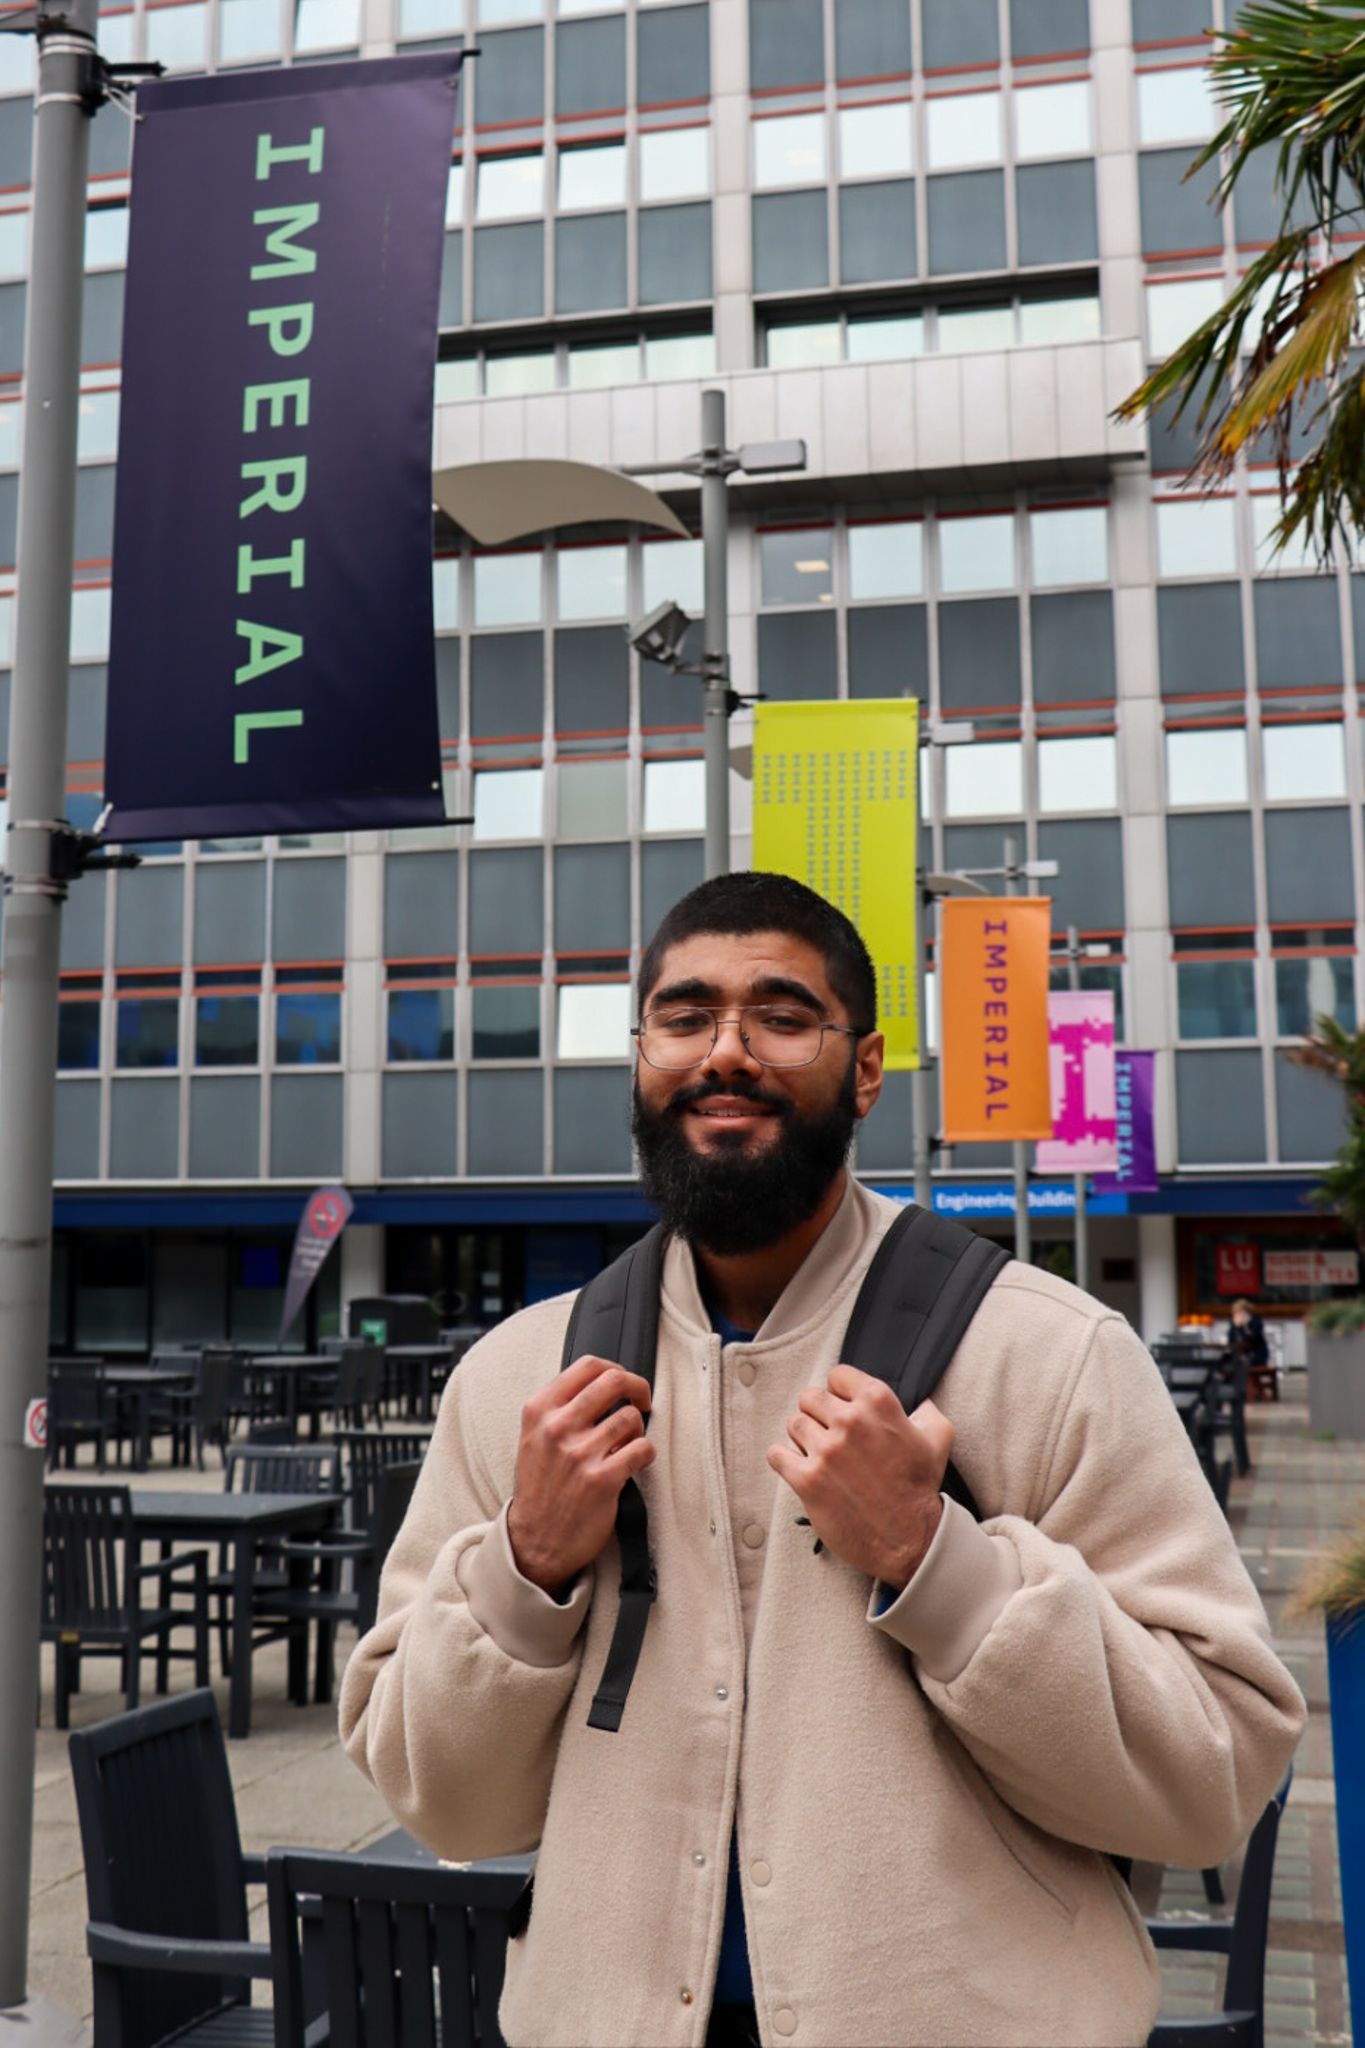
(785, 985)
(694, 990)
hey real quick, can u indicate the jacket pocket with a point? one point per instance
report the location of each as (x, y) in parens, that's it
(1016, 1836)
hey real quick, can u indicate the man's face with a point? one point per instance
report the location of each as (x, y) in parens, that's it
(736, 1153)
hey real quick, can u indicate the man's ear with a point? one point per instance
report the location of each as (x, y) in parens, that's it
(869, 1058)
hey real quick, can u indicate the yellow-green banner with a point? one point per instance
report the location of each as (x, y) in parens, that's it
(836, 804)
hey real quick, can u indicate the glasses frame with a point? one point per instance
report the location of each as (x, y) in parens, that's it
(722, 1017)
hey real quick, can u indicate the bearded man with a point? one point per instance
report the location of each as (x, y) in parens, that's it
(866, 1787)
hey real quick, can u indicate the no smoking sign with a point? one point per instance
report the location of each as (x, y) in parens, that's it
(35, 1426)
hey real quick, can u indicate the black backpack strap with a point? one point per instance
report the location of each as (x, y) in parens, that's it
(616, 1316)
(928, 1279)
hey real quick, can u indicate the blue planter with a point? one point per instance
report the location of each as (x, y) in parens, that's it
(1346, 1684)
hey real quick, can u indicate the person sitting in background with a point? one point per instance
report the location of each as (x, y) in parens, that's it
(1246, 1338)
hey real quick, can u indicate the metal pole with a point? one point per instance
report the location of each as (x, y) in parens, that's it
(28, 1014)
(919, 1076)
(715, 544)
(1023, 1222)
(1073, 981)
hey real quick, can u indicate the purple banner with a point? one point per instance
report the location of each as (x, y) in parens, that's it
(272, 662)
(326, 1214)
(1080, 1031)
(1134, 1101)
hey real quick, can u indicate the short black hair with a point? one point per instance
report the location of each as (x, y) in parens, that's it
(755, 902)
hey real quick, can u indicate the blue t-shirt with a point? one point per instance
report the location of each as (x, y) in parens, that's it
(734, 1981)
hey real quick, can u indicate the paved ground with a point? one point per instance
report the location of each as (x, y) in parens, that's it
(293, 1784)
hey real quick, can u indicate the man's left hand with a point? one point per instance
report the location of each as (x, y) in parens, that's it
(868, 1475)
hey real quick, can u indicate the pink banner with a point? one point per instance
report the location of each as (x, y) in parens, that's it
(1080, 1027)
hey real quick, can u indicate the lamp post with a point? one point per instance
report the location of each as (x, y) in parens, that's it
(502, 501)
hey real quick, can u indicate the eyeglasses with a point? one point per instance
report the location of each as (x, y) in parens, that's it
(678, 1036)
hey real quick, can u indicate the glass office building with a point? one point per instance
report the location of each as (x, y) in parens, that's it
(937, 240)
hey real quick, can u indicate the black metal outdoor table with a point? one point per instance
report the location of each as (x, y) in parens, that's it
(139, 1383)
(243, 1520)
(420, 1359)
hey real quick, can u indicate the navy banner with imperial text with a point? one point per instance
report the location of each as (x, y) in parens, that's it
(271, 665)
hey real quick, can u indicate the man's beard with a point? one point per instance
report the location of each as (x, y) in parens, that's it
(731, 1201)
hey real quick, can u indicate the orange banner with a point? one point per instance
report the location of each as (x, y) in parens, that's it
(993, 983)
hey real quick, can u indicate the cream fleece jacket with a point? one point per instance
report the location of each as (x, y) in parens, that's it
(922, 1794)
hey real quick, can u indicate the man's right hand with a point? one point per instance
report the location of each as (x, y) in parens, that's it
(579, 1445)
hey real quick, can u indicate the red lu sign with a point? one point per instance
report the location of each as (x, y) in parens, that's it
(1237, 1269)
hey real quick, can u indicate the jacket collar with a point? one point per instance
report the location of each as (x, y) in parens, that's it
(842, 1249)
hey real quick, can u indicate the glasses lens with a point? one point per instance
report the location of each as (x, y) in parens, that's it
(677, 1038)
(783, 1034)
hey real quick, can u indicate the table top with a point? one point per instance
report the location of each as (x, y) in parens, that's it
(148, 1375)
(417, 1351)
(287, 1361)
(223, 1513)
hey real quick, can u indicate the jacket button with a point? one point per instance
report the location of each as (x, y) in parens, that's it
(722, 1692)
(686, 1997)
(753, 1535)
(698, 1858)
(747, 1374)
(784, 2020)
(761, 1873)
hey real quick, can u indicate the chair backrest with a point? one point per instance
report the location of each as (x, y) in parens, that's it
(368, 1453)
(282, 1468)
(1244, 1990)
(75, 1394)
(162, 1856)
(215, 1382)
(85, 1537)
(350, 1370)
(401, 1942)
(396, 1483)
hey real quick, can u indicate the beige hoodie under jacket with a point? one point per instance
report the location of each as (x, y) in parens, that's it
(922, 1794)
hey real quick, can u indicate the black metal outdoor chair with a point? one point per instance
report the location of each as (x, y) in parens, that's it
(92, 1593)
(165, 1882)
(269, 1468)
(365, 1453)
(1241, 2023)
(77, 1411)
(200, 1416)
(409, 1953)
(323, 1600)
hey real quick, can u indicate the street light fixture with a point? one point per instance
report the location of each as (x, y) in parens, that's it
(659, 636)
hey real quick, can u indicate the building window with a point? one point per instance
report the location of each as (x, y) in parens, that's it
(326, 24)
(1069, 544)
(445, 593)
(429, 17)
(594, 1020)
(1206, 766)
(78, 1037)
(596, 365)
(421, 1024)
(675, 796)
(148, 1032)
(177, 36)
(106, 237)
(963, 128)
(789, 149)
(226, 1031)
(886, 560)
(308, 1028)
(506, 1021)
(976, 553)
(680, 355)
(985, 780)
(1303, 763)
(1215, 979)
(797, 566)
(1270, 558)
(508, 803)
(509, 187)
(875, 142)
(96, 426)
(1075, 317)
(1176, 105)
(1052, 120)
(1078, 774)
(1309, 985)
(1196, 537)
(964, 329)
(90, 623)
(593, 175)
(883, 337)
(593, 799)
(455, 194)
(675, 163)
(519, 371)
(1176, 308)
(672, 571)
(803, 344)
(246, 29)
(507, 589)
(592, 583)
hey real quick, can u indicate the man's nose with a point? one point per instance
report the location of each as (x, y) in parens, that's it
(729, 1054)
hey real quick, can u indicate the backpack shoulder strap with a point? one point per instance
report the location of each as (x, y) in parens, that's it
(616, 1316)
(928, 1279)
